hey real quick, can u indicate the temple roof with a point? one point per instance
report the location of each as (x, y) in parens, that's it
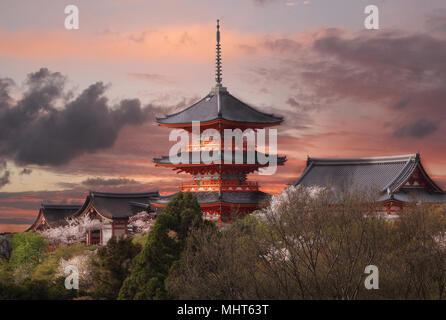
(415, 195)
(55, 215)
(220, 105)
(118, 205)
(224, 156)
(386, 174)
(233, 197)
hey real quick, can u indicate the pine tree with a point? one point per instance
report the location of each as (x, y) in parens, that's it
(165, 243)
(110, 267)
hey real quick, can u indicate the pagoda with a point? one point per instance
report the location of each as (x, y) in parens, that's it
(221, 187)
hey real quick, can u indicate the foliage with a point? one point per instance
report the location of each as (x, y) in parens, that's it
(111, 266)
(36, 290)
(52, 264)
(309, 245)
(27, 250)
(164, 245)
(140, 239)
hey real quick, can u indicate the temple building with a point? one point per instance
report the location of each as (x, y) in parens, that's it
(221, 187)
(53, 216)
(398, 179)
(113, 209)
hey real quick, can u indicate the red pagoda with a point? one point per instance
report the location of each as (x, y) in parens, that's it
(221, 187)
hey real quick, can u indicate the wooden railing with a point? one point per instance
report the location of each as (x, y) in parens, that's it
(213, 185)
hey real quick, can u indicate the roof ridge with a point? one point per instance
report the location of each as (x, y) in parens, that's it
(404, 172)
(61, 205)
(365, 160)
(124, 194)
(174, 114)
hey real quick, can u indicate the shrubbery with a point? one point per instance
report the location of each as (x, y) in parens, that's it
(307, 244)
(310, 245)
(164, 245)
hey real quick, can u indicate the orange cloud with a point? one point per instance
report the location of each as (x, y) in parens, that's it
(190, 42)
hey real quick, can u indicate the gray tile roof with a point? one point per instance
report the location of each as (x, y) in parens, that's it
(119, 205)
(245, 197)
(231, 109)
(386, 174)
(56, 214)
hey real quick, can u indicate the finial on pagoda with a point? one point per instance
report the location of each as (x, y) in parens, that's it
(218, 59)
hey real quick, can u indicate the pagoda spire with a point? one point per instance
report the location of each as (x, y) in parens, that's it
(218, 58)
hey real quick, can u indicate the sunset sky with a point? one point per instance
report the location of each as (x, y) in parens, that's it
(78, 107)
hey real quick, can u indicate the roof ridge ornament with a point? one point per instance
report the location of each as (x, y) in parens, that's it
(218, 58)
(218, 69)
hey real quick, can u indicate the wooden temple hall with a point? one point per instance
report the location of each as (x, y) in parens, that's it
(397, 179)
(223, 189)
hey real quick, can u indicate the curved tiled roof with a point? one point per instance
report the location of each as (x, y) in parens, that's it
(220, 104)
(55, 214)
(234, 197)
(118, 205)
(387, 174)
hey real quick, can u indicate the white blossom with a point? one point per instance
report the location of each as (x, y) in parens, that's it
(298, 194)
(74, 231)
(140, 223)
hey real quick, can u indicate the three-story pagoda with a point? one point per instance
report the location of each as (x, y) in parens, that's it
(221, 187)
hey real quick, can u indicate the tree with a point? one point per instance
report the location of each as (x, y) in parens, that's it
(111, 266)
(27, 250)
(164, 245)
(304, 245)
(31, 289)
(74, 231)
(140, 223)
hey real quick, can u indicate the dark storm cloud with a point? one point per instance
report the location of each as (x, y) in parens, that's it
(4, 173)
(387, 66)
(419, 56)
(5, 99)
(417, 129)
(93, 182)
(43, 128)
(401, 73)
(25, 171)
(4, 178)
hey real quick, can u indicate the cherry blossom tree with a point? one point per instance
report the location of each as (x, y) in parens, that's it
(141, 223)
(74, 231)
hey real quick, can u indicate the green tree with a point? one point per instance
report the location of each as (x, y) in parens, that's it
(163, 248)
(27, 250)
(31, 289)
(111, 266)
